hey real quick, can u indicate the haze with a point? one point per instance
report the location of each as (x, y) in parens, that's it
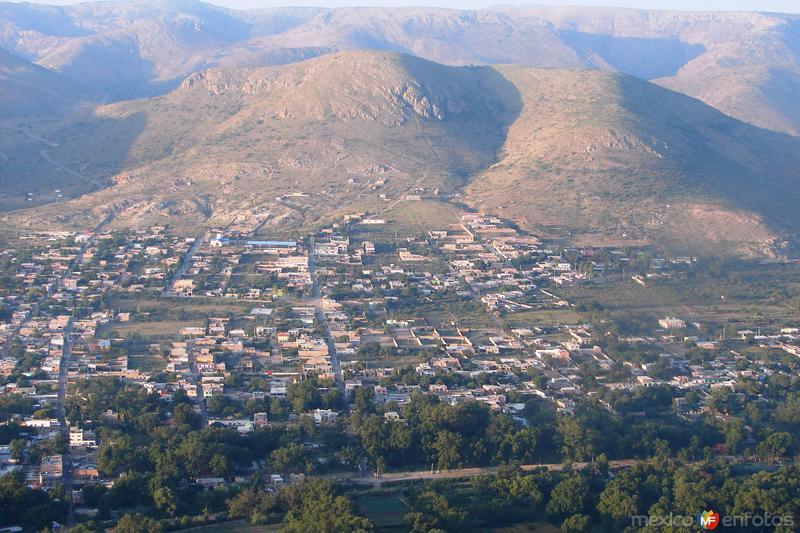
(777, 6)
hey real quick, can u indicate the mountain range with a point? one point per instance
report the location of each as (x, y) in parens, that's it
(745, 64)
(672, 127)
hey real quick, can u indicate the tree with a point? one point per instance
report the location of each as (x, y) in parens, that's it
(219, 465)
(734, 434)
(184, 414)
(32, 509)
(290, 458)
(576, 523)
(775, 446)
(577, 441)
(315, 507)
(136, 523)
(18, 449)
(448, 449)
(257, 506)
(432, 511)
(164, 500)
(362, 404)
(569, 496)
(619, 498)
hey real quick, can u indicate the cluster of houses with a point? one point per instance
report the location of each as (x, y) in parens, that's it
(346, 305)
(227, 264)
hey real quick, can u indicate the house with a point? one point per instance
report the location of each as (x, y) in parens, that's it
(211, 482)
(260, 420)
(183, 287)
(81, 437)
(672, 323)
(324, 417)
(51, 469)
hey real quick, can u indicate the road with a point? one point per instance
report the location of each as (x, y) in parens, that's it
(320, 314)
(47, 157)
(459, 473)
(61, 411)
(63, 375)
(196, 379)
(186, 261)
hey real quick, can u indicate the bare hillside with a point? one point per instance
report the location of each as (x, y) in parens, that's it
(745, 64)
(335, 133)
(592, 153)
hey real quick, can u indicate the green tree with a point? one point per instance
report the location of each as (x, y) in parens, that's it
(576, 523)
(448, 449)
(164, 500)
(315, 507)
(136, 523)
(432, 511)
(569, 496)
(775, 446)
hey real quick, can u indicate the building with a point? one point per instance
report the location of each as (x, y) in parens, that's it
(672, 323)
(81, 437)
(325, 417)
(275, 247)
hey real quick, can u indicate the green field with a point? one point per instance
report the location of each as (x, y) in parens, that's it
(386, 511)
(420, 216)
(147, 363)
(154, 328)
(239, 526)
(732, 298)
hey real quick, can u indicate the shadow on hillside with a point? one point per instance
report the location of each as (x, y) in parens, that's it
(646, 58)
(485, 105)
(114, 69)
(710, 155)
(79, 157)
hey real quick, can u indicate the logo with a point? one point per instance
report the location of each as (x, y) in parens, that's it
(708, 519)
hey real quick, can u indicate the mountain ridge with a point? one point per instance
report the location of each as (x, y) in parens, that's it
(592, 152)
(746, 64)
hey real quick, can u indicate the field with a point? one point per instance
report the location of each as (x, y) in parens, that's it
(147, 363)
(235, 527)
(182, 309)
(741, 294)
(153, 329)
(414, 217)
(385, 510)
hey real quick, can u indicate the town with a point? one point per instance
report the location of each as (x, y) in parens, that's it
(324, 356)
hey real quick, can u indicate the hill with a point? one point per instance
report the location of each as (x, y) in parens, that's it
(28, 90)
(744, 64)
(604, 156)
(598, 154)
(333, 133)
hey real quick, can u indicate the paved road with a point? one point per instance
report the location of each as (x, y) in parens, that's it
(61, 411)
(320, 314)
(184, 264)
(200, 399)
(63, 375)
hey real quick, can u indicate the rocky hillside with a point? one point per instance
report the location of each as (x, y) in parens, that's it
(596, 154)
(745, 64)
(609, 156)
(335, 133)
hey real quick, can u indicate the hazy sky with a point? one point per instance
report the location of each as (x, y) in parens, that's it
(787, 6)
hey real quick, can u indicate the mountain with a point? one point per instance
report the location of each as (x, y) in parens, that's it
(343, 129)
(745, 64)
(599, 154)
(132, 49)
(28, 90)
(609, 156)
